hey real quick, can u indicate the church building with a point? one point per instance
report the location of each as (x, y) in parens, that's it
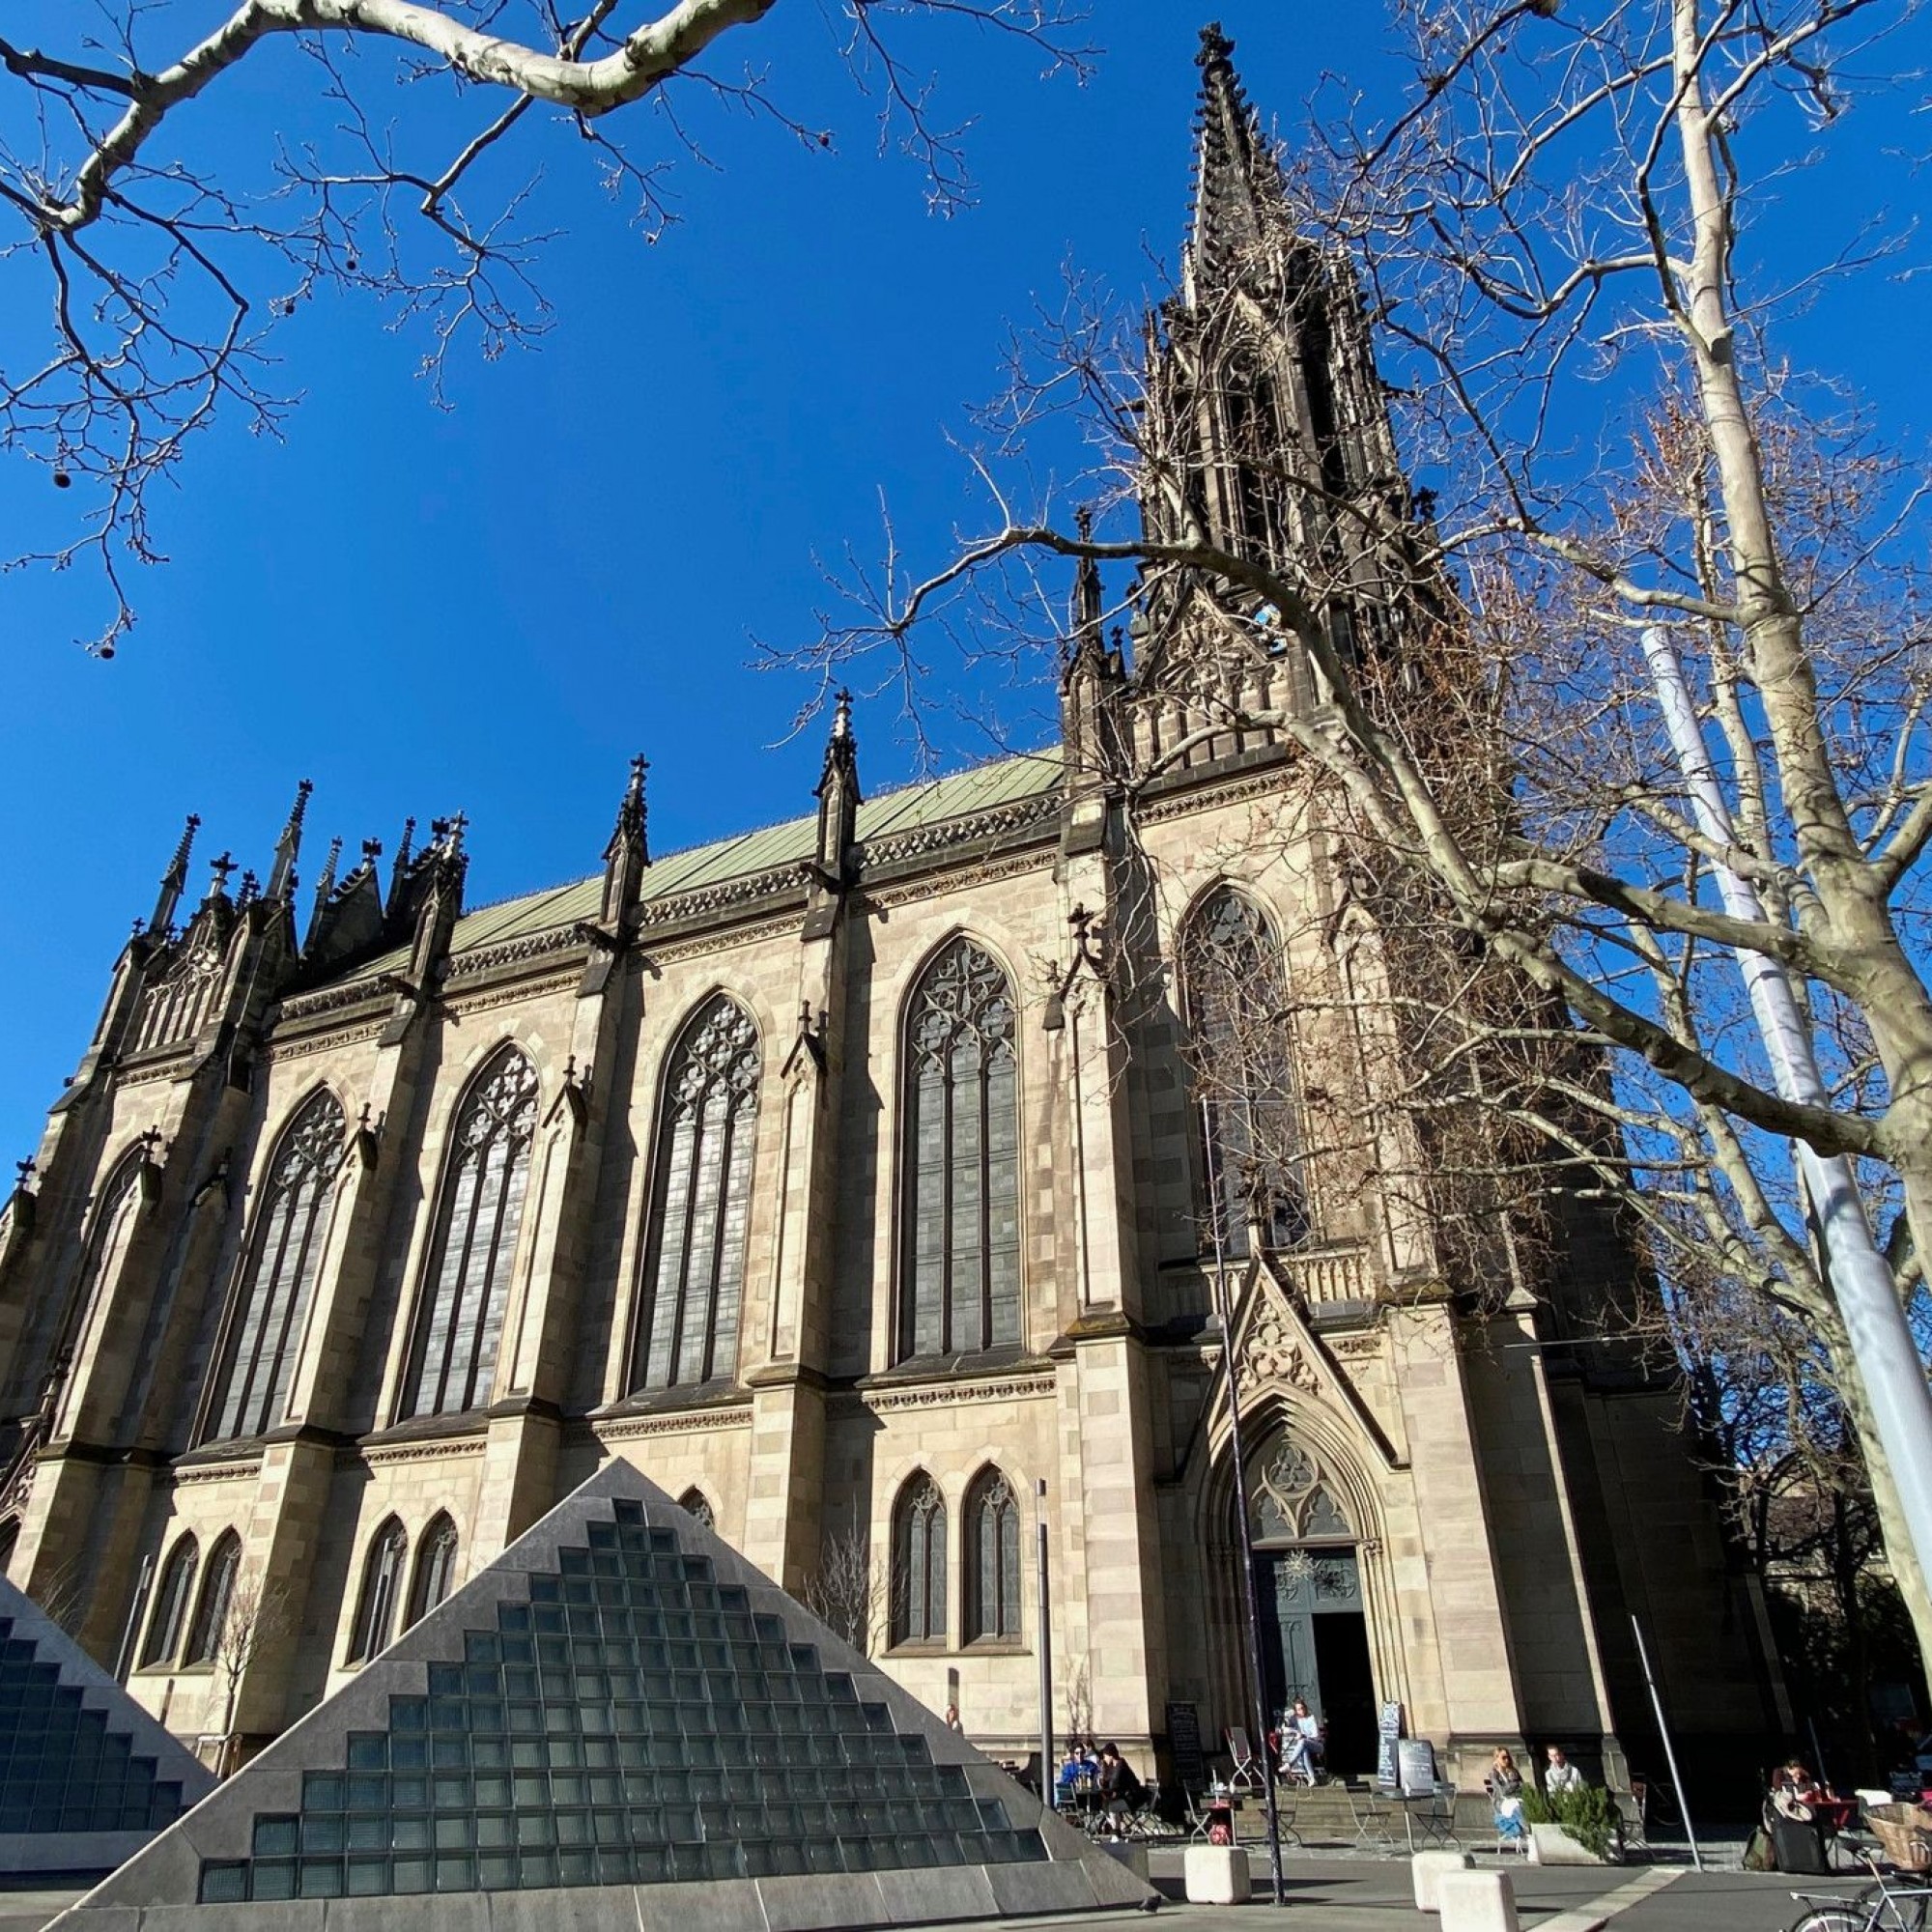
(857, 1179)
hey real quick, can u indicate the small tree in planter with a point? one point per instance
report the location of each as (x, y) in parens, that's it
(1588, 1816)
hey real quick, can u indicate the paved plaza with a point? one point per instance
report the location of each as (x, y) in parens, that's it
(1365, 1894)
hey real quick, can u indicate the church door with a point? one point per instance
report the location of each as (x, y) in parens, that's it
(1315, 1637)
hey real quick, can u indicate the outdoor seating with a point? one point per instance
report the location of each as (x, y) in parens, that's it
(1631, 1807)
(1249, 1773)
(1371, 1814)
(1431, 1818)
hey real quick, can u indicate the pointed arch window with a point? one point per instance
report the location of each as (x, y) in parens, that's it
(702, 1202)
(217, 1597)
(284, 1256)
(961, 1242)
(171, 1600)
(381, 1585)
(918, 1563)
(460, 1315)
(435, 1566)
(697, 1505)
(108, 1243)
(992, 1559)
(1247, 1111)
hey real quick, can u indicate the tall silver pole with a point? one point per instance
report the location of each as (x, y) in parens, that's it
(1861, 1280)
(1669, 1750)
(1246, 1535)
(1049, 1790)
(124, 1658)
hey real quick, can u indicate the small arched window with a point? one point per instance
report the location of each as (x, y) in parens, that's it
(960, 1245)
(992, 1559)
(435, 1566)
(697, 1505)
(918, 1563)
(1242, 1054)
(171, 1600)
(10, 1536)
(284, 1256)
(217, 1597)
(702, 1199)
(460, 1318)
(382, 1586)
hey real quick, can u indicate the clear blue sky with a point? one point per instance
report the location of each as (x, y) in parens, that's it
(493, 608)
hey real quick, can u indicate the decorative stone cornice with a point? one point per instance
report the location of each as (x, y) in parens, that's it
(952, 1394)
(443, 1449)
(896, 848)
(673, 1422)
(243, 1469)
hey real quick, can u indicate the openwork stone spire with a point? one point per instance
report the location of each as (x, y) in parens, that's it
(174, 881)
(282, 874)
(1233, 174)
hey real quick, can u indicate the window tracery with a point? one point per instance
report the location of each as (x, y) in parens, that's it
(435, 1566)
(993, 1559)
(284, 1258)
(381, 1585)
(918, 1563)
(1293, 1499)
(171, 1600)
(1242, 1058)
(960, 1265)
(697, 1505)
(217, 1595)
(461, 1320)
(688, 1332)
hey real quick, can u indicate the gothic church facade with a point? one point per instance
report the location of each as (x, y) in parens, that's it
(825, 1173)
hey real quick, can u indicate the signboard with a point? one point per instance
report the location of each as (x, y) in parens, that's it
(1388, 1769)
(1183, 1744)
(1415, 1758)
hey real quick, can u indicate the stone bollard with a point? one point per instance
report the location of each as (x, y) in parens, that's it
(1218, 1875)
(1476, 1901)
(1427, 1869)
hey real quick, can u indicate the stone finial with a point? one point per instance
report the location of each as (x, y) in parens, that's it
(281, 875)
(627, 851)
(174, 881)
(218, 871)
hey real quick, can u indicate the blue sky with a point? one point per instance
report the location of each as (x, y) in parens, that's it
(494, 607)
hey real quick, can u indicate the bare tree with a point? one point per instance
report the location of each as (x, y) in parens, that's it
(847, 1591)
(257, 1613)
(160, 274)
(1543, 237)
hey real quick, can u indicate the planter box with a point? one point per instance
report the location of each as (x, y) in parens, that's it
(1553, 1845)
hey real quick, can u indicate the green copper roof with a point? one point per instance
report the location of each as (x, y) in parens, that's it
(909, 809)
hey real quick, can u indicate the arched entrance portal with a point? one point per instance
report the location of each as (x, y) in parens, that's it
(1315, 1637)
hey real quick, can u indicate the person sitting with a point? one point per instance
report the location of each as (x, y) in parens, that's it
(1791, 1821)
(1122, 1791)
(1559, 1773)
(1504, 1784)
(1301, 1743)
(1076, 1771)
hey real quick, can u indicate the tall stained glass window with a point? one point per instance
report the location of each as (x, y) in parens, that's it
(284, 1256)
(435, 1566)
(918, 1563)
(460, 1314)
(382, 1586)
(170, 1612)
(960, 1258)
(217, 1595)
(992, 1558)
(1247, 1115)
(688, 1331)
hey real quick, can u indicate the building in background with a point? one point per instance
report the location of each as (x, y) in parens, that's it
(850, 1178)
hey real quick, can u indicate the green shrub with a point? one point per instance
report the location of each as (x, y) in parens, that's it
(1589, 1817)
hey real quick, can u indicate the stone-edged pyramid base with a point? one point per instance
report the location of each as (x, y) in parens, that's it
(87, 1778)
(618, 1724)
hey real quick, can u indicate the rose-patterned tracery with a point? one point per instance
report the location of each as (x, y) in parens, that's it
(459, 1321)
(1290, 1498)
(1242, 1058)
(960, 1267)
(701, 1202)
(265, 1326)
(918, 1563)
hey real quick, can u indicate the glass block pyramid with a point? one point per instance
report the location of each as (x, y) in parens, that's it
(86, 1776)
(617, 1707)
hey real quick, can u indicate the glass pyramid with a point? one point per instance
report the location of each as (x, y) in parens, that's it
(634, 1722)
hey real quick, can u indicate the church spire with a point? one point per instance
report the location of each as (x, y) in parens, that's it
(1087, 601)
(282, 874)
(629, 850)
(174, 881)
(1234, 175)
(838, 791)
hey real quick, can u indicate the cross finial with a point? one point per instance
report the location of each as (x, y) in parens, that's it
(219, 868)
(26, 1170)
(842, 715)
